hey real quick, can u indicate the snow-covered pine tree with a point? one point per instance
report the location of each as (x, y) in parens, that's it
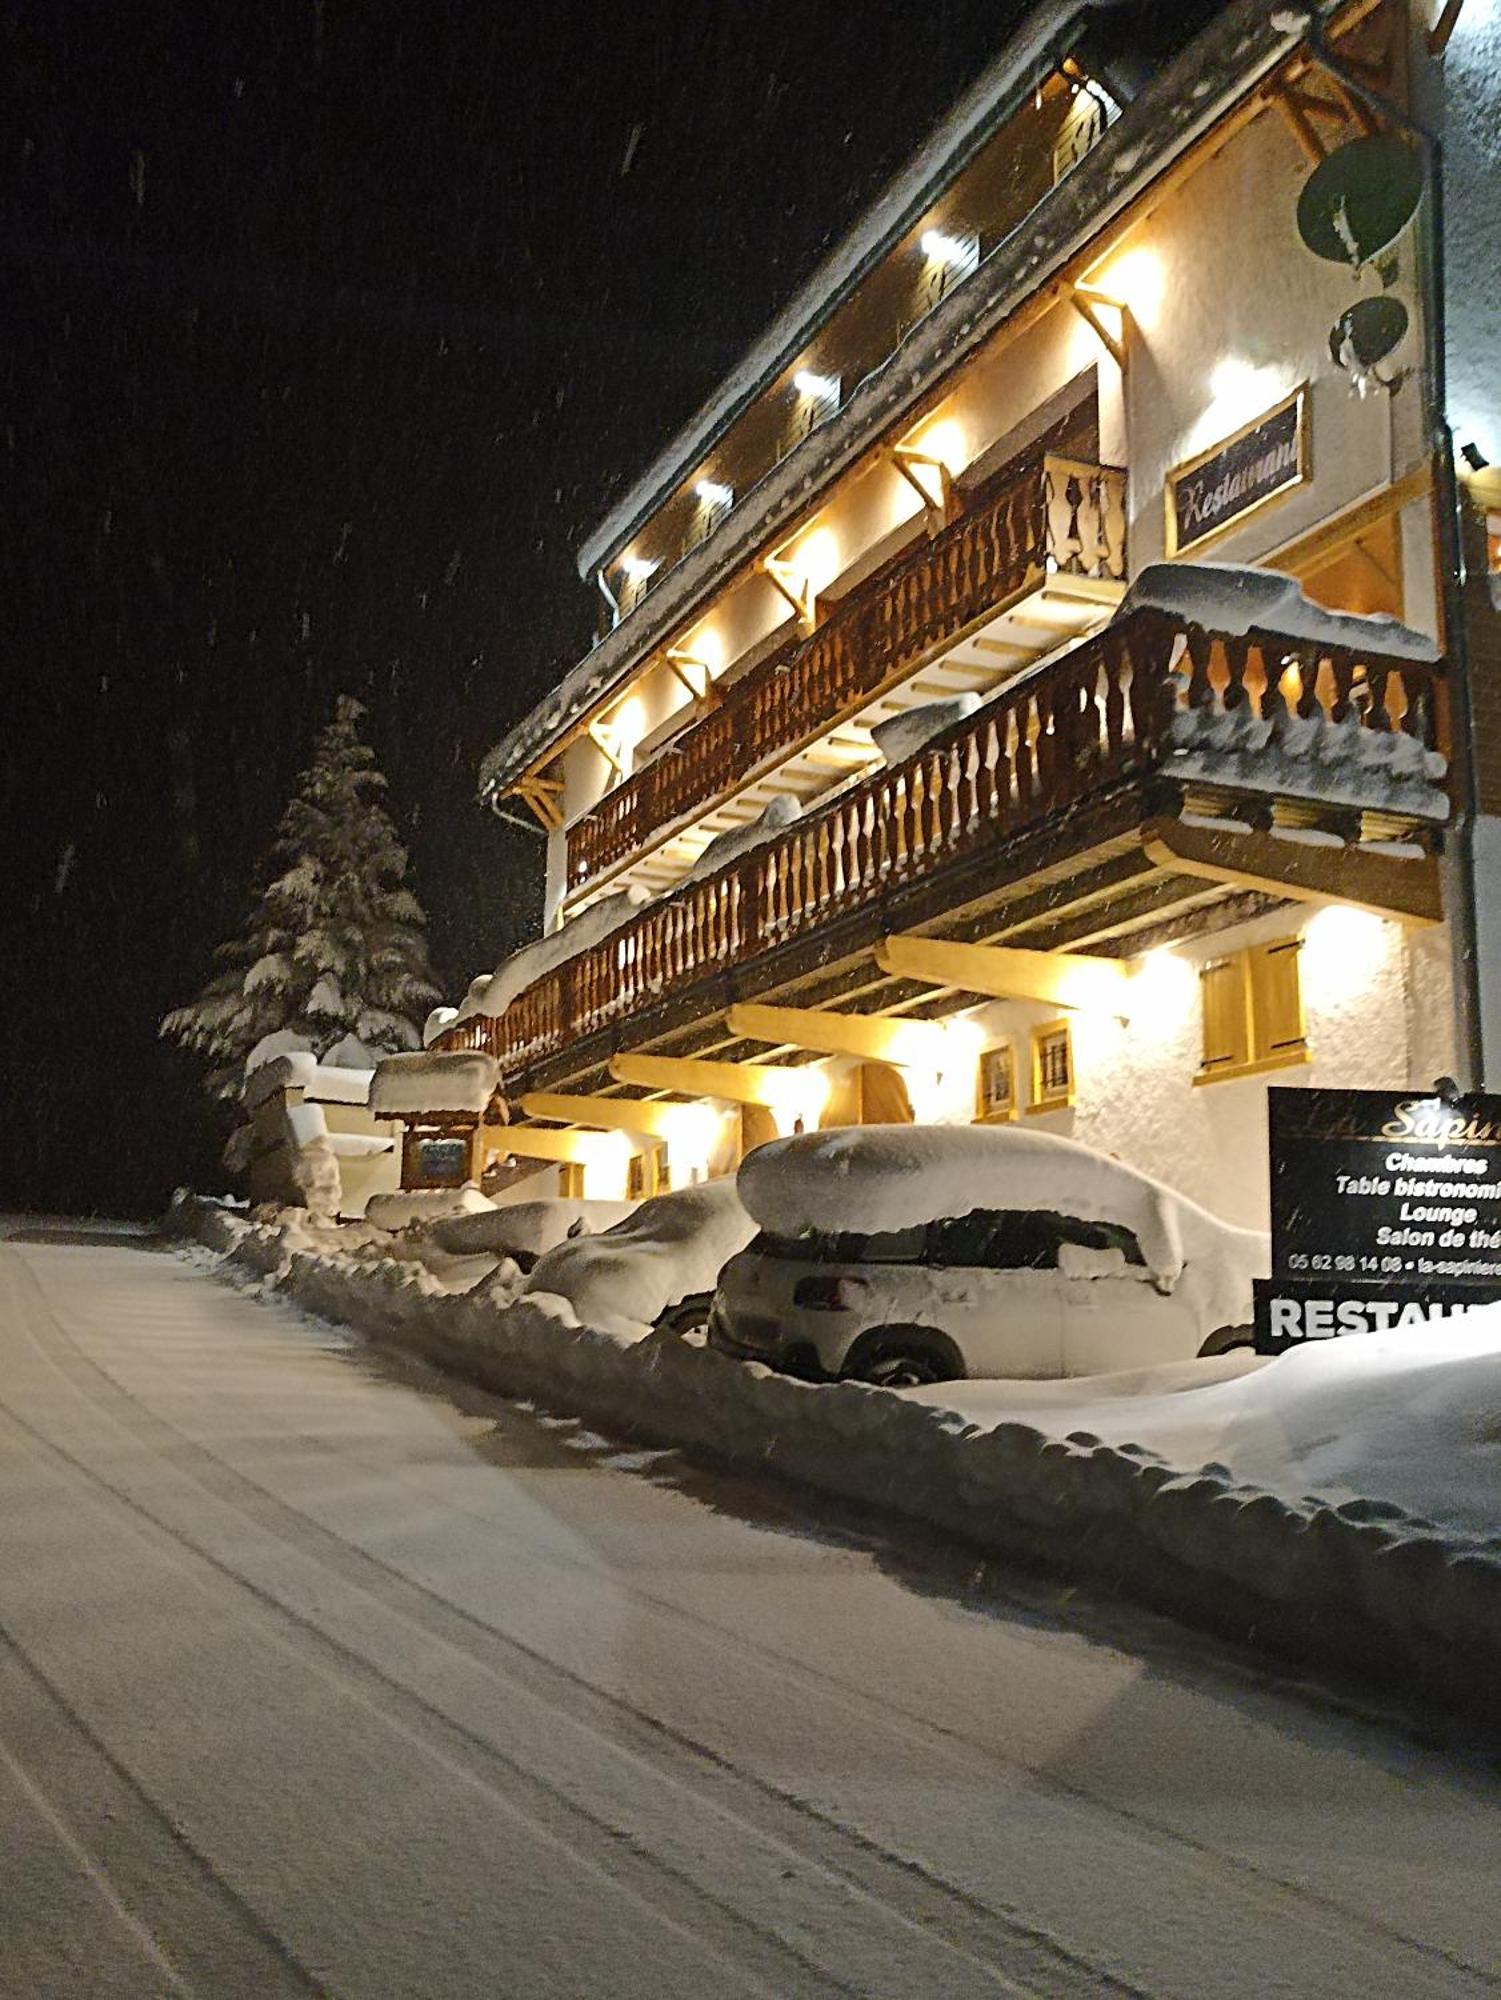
(335, 947)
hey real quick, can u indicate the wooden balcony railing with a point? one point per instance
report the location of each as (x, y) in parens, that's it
(1047, 514)
(1106, 712)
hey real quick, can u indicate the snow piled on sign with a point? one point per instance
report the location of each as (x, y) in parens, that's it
(672, 1246)
(1360, 1530)
(456, 1080)
(1234, 598)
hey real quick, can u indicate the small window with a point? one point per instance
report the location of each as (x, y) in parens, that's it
(646, 1174)
(1052, 1067)
(571, 1180)
(995, 1099)
(1252, 1011)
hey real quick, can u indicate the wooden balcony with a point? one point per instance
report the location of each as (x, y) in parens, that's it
(1103, 726)
(1046, 523)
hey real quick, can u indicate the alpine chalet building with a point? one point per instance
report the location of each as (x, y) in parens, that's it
(1056, 677)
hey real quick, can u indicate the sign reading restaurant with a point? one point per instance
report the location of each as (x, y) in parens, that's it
(1386, 1212)
(1214, 492)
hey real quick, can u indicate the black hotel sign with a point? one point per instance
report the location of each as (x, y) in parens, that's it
(1208, 495)
(1386, 1209)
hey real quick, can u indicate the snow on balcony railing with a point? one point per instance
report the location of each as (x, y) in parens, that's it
(1151, 694)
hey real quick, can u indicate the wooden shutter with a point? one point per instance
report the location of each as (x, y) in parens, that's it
(1276, 999)
(883, 1096)
(571, 1180)
(1052, 1067)
(1225, 997)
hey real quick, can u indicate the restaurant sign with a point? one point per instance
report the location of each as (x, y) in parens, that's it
(1210, 494)
(1386, 1212)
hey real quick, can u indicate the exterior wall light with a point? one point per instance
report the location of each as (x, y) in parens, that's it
(817, 388)
(638, 569)
(954, 251)
(714, 495)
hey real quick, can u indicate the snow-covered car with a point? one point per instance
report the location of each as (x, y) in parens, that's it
(671, 1250)
(903, 1255)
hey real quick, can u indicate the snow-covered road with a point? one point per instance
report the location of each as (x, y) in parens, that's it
(314, 1678)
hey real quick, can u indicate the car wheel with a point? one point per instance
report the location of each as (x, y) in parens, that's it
(1225, 1340)
(904, 1357)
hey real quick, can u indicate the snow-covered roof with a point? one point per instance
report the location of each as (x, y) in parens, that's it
(430, 1080)
(989, 100)
(322, 1083)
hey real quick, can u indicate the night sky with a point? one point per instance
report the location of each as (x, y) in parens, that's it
(328, 328)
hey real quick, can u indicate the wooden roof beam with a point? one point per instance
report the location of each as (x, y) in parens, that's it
(870, 1037)
(1009, 972)
(1405, 891)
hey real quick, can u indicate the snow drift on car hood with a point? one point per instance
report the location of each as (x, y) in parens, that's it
(869, 1178)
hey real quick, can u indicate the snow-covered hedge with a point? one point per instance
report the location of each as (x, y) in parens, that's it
(1361, 1584)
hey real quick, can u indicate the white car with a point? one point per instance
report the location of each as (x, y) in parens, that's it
(904, 1255)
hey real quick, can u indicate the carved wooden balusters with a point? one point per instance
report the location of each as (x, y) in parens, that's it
(1050, 512)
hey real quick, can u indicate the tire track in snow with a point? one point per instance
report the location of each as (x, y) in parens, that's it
(930, 1958)
(358, 1564)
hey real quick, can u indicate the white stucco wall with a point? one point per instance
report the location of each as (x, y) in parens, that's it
(1231, 314)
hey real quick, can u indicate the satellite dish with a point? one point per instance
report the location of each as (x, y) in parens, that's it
(1362, 338)
(1358, 201)
(1368, 332)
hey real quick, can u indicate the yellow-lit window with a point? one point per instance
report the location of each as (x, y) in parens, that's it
(646, 1174)
(995, 1095)
(1052, 1067)
(1252, 1011)
(571, 1180)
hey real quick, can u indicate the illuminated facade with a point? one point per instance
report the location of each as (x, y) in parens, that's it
(879, 798)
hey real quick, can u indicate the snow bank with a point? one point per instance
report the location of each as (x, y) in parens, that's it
(1411, 1601)
(889, 1177)
(455, 1080)
(405, 1206)
(1234, 598)
(529, 1227)
(673, 1245)
(1413, 1420)
(902, 736)
(727, 847)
